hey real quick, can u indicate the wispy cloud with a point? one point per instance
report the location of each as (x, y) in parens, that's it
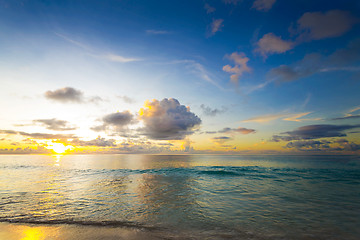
(294, 117)
(265, 118)
(216, 26)
(209, 9)
(199, 70)
(157, 32)
(118, 58)
(263, 5)
(107, 56)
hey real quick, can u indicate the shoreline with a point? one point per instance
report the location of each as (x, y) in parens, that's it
(41, 231)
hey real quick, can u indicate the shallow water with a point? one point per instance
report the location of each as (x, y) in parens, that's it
(190, 196)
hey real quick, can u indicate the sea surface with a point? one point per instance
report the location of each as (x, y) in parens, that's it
(187, 196)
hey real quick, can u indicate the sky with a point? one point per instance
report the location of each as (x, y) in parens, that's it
(180, 77)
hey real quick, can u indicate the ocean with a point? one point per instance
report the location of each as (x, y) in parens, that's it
(186, 196)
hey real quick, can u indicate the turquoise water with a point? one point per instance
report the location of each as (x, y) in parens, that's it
(191, 196)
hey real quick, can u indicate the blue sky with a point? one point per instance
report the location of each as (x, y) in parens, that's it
(259, 68)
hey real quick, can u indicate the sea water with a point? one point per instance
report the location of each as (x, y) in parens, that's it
(187, 196)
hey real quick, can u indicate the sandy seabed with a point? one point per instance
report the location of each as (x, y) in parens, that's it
(15, 231)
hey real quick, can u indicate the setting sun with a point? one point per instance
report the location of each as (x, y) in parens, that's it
(59, 147)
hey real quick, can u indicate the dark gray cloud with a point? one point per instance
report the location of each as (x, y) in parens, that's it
(315, 132)
(212, 112)
(313, 145)
(347, 117)
(55, 124)
(318, 25)
(70, 95)
(115, 121)
(65, 95)
(323, 146)
(98, 142)
(167, 119)
(237, 130)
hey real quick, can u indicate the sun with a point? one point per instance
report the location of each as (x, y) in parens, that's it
(58, 147)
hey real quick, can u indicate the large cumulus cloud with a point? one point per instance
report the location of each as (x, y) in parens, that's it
(167, 120)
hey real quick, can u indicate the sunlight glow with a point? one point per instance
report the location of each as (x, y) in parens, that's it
(59, 147)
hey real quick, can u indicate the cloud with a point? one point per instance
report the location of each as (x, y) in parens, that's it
(294, 117)
(237, 130)
(221, 140)
(55, 124)
(25, 150)
(109, 56)
(98, 142)
(115, 121)
(199, 70)
(117, 58)
(66, 94)
(265, 118)
(270, 44)
(38, 135)
(348, 55)
(318, 25)
(126, 99)
(232, 1)
(70, 95)
(216, 26)
(263, 5)
(347, 117)
(240, 61)
(157, 32)
(313, 145)
(167, 120)
(315, 132)
(319, 146)
(209, 9)
(316, 63)
(309, 65)
(212, 112)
